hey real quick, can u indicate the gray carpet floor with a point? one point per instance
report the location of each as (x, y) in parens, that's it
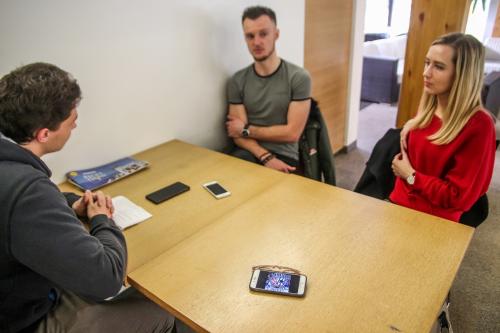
(475, 294)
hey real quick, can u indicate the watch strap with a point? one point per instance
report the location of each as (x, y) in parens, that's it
(411, 179)
(246, 130)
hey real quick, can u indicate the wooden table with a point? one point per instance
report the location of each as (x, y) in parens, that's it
(179, 218)
(372, 266)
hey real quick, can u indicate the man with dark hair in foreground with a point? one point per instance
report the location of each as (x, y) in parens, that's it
(54, 274)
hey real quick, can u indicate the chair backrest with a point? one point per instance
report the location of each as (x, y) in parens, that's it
(477, 214)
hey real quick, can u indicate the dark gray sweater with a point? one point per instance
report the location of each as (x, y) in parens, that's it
(43, 245)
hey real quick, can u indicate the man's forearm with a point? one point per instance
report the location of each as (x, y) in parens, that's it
(289, 132)
(276, 133)
(251, 145)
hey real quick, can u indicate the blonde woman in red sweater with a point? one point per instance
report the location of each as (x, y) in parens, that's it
(448, 149)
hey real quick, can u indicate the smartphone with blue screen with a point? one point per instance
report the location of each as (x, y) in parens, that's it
(278, 283)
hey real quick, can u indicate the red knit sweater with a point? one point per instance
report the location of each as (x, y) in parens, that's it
(449, 178)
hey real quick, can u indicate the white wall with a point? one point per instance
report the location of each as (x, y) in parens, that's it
(490, 22)
(355, 71)
(477, 20)
(149, 70)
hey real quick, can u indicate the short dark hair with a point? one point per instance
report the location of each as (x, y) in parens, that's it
(255, 12)
(33, 97)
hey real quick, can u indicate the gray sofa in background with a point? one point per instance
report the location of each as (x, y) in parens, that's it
(383, 64)
(491, 98)
(379, 82)
(491, 93)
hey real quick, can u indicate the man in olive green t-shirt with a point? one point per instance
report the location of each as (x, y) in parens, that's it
(269, 101)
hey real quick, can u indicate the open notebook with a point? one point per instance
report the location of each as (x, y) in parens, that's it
(128, 213)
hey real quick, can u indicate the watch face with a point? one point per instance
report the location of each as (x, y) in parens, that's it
(245, 132)
(411, 179)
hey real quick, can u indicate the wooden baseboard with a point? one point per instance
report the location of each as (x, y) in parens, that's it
(347, 149)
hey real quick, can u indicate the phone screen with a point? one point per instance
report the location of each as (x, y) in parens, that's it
(216, 189)
(278, 282)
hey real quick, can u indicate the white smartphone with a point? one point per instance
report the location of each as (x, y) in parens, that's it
(216, 190)
(278, 283)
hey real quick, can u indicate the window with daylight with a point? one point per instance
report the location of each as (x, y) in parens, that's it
(390, 17)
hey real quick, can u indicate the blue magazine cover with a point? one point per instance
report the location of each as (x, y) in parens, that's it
(93, 178)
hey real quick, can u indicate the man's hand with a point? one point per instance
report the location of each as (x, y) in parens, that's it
(99, 203)
(401, 165)
(234, 126)
(80, 205)
(279, 165)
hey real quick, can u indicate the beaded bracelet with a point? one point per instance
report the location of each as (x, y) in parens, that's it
(267, 158)
(283, 269)
(263, 155)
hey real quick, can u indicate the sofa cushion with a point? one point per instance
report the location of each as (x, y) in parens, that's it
(491, 66)
(370, 50)
(389, 47)
(492, 49)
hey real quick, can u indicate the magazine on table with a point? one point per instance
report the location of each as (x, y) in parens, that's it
(94, 178)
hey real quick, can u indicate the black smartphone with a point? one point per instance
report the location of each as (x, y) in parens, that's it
(167, 192)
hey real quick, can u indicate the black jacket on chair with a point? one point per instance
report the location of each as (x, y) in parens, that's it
(378, 179)
(315, 152)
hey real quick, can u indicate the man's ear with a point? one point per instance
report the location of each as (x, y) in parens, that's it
(277, 33)
(42, 135)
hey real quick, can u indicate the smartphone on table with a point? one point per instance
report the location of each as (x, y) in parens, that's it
(167, 192)
(277, 282)
(215, 189)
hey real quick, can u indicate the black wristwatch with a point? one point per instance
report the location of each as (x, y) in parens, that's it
(246, 131)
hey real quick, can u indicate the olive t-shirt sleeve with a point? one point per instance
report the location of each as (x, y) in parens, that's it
(234, 93)
(301, 86)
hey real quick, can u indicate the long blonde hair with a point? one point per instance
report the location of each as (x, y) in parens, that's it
(465, 93)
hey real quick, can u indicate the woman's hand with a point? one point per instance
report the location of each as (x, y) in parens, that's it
(404, 134)
(401, 165)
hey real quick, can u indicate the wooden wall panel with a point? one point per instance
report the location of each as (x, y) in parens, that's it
(496, 27)
(429, 20)
(327, 58)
